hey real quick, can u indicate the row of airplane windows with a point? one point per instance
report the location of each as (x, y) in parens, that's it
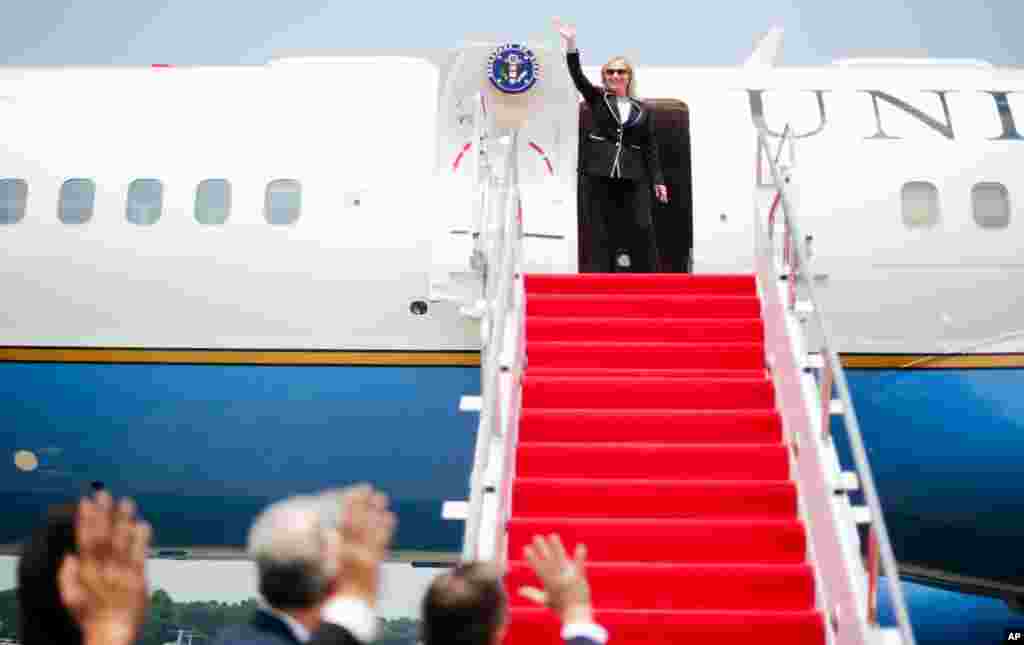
(145, 201)
(990, 205)
(282, 203)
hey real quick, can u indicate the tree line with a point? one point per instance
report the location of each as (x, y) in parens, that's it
(203, 619)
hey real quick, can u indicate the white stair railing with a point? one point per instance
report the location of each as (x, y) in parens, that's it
(502, 354)
(797, 341)
(502, 123)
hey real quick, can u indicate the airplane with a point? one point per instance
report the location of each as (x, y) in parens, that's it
(239, 282)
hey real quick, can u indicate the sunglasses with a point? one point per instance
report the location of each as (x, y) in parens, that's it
(613, 72)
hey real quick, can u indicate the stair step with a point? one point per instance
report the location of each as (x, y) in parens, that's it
(668, 283)
(653, 426)
(645, 354)
(668, 540)
(644, 498)
(641, 627)
(647, 306)
(653, 461)
(685, 586)
(636, 392)
(650, 329)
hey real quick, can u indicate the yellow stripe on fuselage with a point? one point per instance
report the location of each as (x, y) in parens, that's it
(424, 358)
(239, 357)
(933, 361)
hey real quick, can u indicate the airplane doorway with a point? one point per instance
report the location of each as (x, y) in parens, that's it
(673, 222)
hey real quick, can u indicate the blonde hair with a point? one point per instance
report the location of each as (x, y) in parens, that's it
(631, 87)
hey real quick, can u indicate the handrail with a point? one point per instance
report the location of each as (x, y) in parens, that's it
(500, 249)
(479, 185)
(796, 270)
(480, 263)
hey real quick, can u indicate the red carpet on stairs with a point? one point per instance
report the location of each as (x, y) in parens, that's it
(648, 431)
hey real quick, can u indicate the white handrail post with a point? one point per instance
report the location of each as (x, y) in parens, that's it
(475, 150)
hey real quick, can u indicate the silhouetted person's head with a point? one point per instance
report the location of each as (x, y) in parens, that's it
(466, 606)
(42, 617)
(295, 553)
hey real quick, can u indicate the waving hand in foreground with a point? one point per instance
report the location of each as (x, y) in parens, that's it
(104, 584)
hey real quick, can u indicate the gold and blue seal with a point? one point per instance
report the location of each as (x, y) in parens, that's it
(513, 69)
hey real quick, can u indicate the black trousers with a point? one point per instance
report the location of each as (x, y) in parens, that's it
(614, 224)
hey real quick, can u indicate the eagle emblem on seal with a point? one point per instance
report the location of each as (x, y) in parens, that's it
(513, 69)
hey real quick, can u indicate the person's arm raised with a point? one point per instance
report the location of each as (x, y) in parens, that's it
(365, 535)
(566, 590)
(568, 34)
(104, 585)
(572, 59)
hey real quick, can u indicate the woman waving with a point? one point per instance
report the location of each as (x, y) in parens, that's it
(620, 168)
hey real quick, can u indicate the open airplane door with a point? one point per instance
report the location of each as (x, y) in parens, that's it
(673, 222)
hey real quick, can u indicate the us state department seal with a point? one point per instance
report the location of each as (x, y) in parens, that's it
(513, 69)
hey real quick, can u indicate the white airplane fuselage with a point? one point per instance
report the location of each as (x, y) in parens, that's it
(376, 191)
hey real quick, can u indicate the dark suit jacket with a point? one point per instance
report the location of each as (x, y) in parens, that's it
(266, 629)
(631, 143)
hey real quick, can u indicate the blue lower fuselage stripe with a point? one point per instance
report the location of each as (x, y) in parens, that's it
(202, 447)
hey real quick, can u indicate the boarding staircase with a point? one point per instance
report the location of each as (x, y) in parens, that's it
(649, 432)
(681, 427)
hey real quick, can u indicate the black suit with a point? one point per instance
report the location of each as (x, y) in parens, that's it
(266, 629)
(618, 167)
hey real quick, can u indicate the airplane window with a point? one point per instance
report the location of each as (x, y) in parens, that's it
(13, 199)
(145, 201)
(920, 204)
(77, 200)
(991, 205)
(213, 201)
(283, 201)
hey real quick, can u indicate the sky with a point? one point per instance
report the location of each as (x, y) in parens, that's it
(60, 32)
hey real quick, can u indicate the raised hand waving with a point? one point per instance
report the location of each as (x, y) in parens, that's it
(568, 32)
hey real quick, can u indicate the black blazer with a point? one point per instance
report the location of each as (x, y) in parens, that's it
(612, 149)
(266, 629)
